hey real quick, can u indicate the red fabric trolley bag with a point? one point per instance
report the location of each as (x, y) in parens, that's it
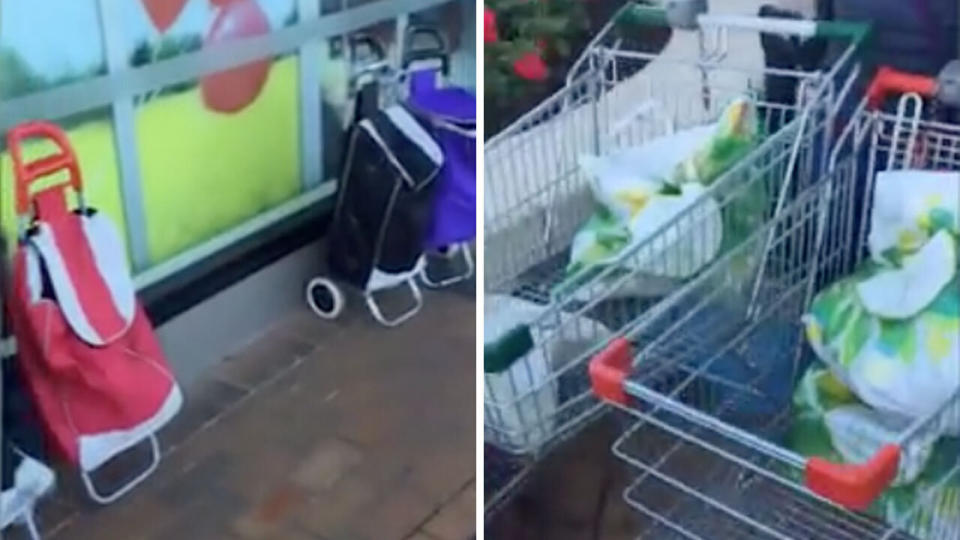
(88, 352)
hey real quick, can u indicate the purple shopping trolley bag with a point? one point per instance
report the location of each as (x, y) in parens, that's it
(451, 114)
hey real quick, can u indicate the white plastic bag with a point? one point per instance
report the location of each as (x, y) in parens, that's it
(909, 207)
(521, 401)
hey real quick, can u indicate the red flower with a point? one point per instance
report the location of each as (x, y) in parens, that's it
(530, 67)
(489, 26)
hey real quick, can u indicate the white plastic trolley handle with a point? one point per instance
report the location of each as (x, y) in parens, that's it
(636, 14)
(857, 32)
(793, 27)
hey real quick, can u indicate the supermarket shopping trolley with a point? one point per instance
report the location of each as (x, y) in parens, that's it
(384, 199)
(543, 322)
(742, 430)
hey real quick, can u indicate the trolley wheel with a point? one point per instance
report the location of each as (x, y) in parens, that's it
(325, 298)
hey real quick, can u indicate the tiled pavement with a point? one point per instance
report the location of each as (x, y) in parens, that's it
(317, 430)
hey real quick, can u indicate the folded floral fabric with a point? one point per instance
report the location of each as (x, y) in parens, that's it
(733, 137)
(891, 331)
(909, 207)
(640, 190)
(678, 251)
(830, 422)
(908, 367)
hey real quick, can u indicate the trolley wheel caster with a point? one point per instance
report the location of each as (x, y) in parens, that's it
(325, 298)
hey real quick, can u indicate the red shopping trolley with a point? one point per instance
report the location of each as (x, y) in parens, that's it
(88, 352)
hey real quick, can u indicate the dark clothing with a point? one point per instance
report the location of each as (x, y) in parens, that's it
(919, 36)
(912, 35)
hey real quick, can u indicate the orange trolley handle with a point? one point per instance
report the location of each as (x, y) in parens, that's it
(27, 172)
(889, 81)
(854, 485)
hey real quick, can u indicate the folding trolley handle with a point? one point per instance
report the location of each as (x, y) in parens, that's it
(27, 172)
(364, 84)
(376, 53)
(437, 50)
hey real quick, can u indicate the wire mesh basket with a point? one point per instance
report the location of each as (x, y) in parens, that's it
(711, 378)
(537, 198)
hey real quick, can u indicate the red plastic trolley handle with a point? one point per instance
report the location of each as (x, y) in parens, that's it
(890, 81)
(853, 486)
(25, 173)
(609, 370)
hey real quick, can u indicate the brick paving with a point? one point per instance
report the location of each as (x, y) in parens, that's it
(575, 494)
(317, 430)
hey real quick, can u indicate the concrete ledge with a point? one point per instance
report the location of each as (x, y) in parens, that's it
(202, 336)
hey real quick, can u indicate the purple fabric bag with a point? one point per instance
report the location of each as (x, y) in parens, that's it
(452, 115)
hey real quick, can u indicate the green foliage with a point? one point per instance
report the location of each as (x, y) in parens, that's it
(521, 25)
(16, 76)
(18, 79)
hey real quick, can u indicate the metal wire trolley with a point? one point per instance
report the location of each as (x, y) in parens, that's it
(550, 321)
(715, 378)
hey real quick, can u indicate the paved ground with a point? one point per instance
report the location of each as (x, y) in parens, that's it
(334, 431)
(575, 494)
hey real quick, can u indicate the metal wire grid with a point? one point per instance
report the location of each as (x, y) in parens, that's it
(698, 484)
(614, 303)
(719, 499)
(537, 197)
(746, 487)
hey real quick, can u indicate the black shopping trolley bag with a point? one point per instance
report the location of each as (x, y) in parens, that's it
(384, 203)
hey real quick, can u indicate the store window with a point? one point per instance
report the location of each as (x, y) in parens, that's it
(215, 151)
(455, 22)
(186, 160)
(45, 44)
(48, 43)
(91, 134)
